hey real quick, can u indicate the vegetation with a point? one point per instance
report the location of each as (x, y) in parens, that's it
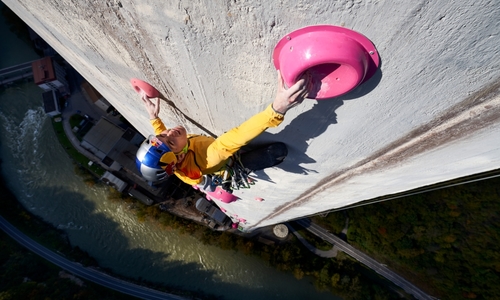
(75, 120)
(25, 275)
(82, 124)
(446, 241)
(335, 222)
(313, 239)
(78, 157)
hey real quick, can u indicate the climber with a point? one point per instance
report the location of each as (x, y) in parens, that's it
(190, 157)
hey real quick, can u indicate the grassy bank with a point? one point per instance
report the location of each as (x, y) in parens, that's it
(78, 157)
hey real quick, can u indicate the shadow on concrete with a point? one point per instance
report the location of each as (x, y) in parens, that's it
(310, 125)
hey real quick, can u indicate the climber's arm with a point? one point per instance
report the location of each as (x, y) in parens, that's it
(231, 141)
(152, 106)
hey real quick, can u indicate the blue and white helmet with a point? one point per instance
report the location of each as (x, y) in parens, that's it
(154, 159)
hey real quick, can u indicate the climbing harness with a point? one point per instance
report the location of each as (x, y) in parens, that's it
(235, 175)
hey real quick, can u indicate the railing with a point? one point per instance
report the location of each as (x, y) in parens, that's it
(14, 73)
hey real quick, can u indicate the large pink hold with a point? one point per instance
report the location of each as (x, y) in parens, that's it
(338, 59)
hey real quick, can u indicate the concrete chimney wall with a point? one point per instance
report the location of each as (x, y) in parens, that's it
(430, 114)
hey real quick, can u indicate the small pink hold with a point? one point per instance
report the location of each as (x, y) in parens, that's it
(242, 220)
(144, 87)
(259, 199)
(223, 209)
(234, 225)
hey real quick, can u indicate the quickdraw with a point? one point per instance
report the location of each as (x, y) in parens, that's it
(235, 176)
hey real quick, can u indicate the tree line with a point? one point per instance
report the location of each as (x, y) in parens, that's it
(447, 241)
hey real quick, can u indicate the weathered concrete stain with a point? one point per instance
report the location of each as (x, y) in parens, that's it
(475, 113)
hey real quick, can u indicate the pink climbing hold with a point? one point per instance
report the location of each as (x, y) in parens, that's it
(142, 86)
(259, 199)
(337, 59)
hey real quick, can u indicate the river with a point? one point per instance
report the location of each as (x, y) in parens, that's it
(42, 177)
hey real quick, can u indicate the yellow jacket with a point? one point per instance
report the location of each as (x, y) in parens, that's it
(207, 155)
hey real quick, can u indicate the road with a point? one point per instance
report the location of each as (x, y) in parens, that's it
(364, 259)
(84, 272)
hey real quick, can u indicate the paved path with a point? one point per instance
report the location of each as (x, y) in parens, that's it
(78, 103)
(66, 115)
(84, 272)
(326, 254)
(364, 259)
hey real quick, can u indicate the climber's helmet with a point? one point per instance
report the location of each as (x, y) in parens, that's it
(154, 159)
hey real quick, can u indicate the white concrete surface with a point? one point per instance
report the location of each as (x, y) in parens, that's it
(430, 114)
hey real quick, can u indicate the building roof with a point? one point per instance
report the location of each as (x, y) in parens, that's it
(113, 144)
(43, 71)
(124, 154)
(104, 135)
(49, 104)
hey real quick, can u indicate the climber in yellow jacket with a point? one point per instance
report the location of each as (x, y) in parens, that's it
(193, 156)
